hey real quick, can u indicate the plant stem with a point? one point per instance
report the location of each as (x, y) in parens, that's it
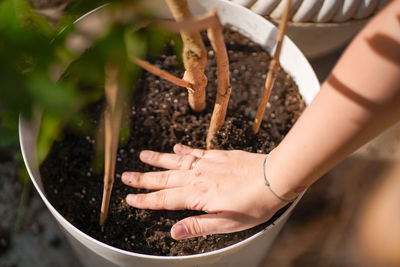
(194, 56)
(273, 69)
(162, 74)
(224, 88)
(112, 122)
(198, 24)
(214, 28)
(22, 204)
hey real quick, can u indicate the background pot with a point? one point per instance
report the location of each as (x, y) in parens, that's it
(249, 252)
(319, 26)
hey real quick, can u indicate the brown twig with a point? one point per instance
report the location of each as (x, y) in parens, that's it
(194, 56)
(214, 28)
(162, 74)
(188, 25)
(191, 25)
(273, 69)
(112, 122)
(224, 88)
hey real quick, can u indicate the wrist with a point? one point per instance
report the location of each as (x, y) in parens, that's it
(279, 180)
(268, 185)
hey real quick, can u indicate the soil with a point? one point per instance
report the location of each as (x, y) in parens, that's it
(160, 118)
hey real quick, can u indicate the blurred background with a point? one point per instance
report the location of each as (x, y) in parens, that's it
(350, 217)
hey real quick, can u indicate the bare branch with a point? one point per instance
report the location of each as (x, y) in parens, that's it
(194, 56)
(273, 68)
(112, 122)
(162, 74)
(216, 37)
(189, 25)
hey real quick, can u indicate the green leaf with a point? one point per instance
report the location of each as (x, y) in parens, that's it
(7, 15)
(135, 46)
(50, 129)
(24, 178)
(9, 120)
(23, 175)
(8, 137)
(31, 19)
(59, 98)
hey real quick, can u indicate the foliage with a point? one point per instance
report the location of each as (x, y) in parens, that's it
(32, 51)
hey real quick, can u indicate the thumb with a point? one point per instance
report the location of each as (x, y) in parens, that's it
(203, 225)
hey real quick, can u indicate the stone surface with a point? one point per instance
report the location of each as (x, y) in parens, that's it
(39, 241)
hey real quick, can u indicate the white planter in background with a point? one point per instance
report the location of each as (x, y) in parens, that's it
(249, 252)
(319, 26)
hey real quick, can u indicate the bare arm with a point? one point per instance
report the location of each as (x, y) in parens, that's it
(359, 99)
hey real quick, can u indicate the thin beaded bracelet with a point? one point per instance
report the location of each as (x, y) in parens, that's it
(269, 186)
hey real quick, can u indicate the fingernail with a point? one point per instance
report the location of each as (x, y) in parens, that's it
(179, 148)
(145, 155)
(131, 198)
(179, 231)
(126, 177)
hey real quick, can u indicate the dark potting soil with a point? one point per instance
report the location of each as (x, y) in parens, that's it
(159, 118)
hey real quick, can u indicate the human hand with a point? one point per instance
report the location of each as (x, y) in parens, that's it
(228, 185)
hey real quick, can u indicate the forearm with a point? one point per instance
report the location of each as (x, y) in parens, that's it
(359, 100)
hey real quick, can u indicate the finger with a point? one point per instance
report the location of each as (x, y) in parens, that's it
(186, 150)
(166, 160)
(167, 199)
(204, 225)
(155, 180)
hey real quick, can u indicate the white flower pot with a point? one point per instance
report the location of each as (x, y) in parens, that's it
(319, 39)
(249, 252)
(319, 27)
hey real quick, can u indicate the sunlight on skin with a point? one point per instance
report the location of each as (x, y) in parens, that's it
(359, 100)
(207, 187)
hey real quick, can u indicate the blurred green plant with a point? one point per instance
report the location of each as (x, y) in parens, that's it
(33, 51)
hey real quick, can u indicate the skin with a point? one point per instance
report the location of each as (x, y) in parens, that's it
(359, 100)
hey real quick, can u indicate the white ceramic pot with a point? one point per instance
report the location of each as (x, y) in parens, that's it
(319, 39)
(249, 252)
(319, 26)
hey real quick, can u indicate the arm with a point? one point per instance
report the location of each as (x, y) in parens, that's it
(359, 99)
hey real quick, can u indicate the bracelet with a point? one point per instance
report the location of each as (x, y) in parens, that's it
(269, 186)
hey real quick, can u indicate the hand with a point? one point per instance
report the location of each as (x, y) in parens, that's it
(228, 185)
